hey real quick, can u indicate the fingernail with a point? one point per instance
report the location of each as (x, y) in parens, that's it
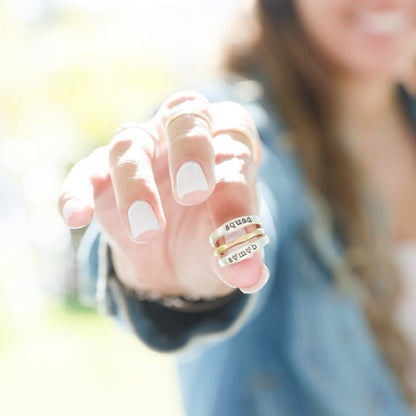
(190, 178)
(71, 206)
(141, 218)
(259, 285)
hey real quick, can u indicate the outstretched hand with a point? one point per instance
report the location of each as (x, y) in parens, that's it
(160, 188)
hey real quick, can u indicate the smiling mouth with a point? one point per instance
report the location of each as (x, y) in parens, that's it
(383, 23)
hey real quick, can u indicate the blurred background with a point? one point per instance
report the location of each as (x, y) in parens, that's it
(71, 71)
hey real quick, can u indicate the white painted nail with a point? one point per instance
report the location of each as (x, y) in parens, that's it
(259, 285)
(71, 206)
(190, 178)
(141, 218)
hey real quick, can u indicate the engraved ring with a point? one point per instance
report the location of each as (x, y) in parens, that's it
(244, 252)
(233, 225)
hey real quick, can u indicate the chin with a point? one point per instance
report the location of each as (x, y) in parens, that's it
(373, 66)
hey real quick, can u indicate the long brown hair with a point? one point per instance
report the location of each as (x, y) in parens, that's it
(299, 84)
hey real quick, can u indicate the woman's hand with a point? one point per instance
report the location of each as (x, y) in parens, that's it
(159, 189)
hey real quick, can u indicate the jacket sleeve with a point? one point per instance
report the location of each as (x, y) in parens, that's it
(163, 328)
(160, 327)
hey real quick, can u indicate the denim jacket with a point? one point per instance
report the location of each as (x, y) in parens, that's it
(302, 345)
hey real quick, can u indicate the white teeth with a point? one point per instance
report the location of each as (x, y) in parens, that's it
(383, 22)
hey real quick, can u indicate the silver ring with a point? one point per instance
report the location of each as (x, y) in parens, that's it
(233, 225)
(244, 252)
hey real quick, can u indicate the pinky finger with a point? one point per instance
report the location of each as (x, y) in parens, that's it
(76, 212)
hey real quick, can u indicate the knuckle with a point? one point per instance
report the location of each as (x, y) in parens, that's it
(242, 143)
(119, 145)
(241, 153)
(124, 169)
(80, 167)
(231, 178)
(182, 103)
(136, 137)
(193, 136)
(231, 115)
(186, 96)
(134, 186)
(235, 108)
(97, 154)
(236, 167)
(236, 188)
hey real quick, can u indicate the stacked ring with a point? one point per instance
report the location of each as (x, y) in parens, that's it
(246, 237)
(244, 253)
(248, 243)
(233, 225)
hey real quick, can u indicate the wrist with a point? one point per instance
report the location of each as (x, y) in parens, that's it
(130, 274)
(172, 297)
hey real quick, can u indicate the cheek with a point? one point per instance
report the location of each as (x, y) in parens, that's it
(389, 59)
(332, 29)
(359, 55)
(323, 24)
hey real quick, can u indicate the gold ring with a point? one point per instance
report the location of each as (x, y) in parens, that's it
(246, 132)
(246, 237)
(182, 113)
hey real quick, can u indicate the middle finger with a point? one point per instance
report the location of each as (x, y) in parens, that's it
(186, 122)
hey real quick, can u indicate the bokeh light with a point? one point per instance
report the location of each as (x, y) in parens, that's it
(72, 71)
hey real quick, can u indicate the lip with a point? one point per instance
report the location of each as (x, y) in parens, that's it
(383, 22)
